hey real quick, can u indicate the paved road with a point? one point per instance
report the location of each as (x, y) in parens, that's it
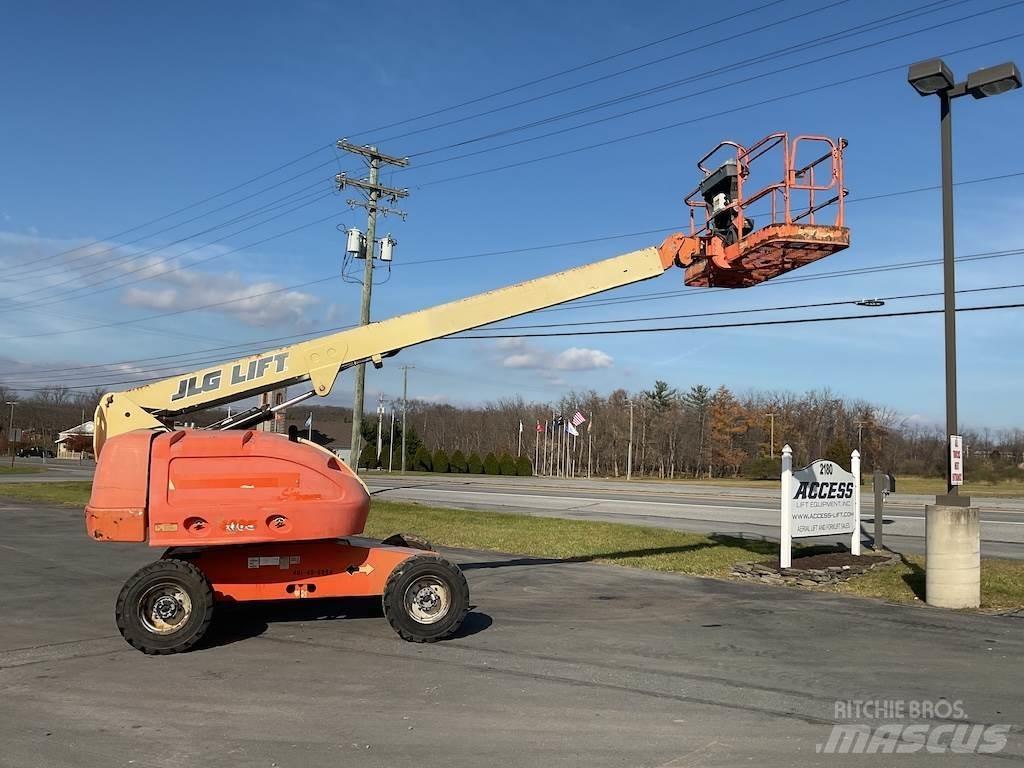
(684, 506)
(560, 665)
(688, 507)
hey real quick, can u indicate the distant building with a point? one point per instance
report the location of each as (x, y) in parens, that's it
(75, 443)
(274, 398)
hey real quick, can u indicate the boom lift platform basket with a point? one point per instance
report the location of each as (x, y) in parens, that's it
(732, 253)
(247, 515)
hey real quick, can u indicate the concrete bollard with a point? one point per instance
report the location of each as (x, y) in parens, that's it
(953, 567)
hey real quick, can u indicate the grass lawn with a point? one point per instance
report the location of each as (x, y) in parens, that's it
(658, 549)
(20, 469)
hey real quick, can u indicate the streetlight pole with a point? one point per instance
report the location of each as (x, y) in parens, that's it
(933, 77)
(949, 279)
(629, 450)
(952, 525)
(10, 430)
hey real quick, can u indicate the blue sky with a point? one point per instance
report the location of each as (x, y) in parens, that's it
(121, 114)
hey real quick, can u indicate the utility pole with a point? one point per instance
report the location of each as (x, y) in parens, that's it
(590, 443)
(380, 423)
(771, 440)
(374, 191)
(405, 407)
(10, 430)
(629, 451)
(391, 442)
(860, 435)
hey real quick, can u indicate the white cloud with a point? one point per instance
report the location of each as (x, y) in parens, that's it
(517, 353)
(163, 281)
(257, 304)
(582, 359)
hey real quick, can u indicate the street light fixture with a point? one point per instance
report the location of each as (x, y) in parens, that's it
(952, 526)
(934, 77)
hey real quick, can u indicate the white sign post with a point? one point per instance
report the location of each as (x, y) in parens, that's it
(956, 460)
(822, 499)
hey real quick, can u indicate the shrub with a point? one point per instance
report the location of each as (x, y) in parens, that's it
(458, 462)
(421, 462)
(507, 466)
(763, 468)
(491, 466)
(440, 460)
(368, 457)
(524, 467)
(474, 466)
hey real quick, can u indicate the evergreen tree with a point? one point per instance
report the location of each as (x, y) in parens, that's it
(507, 465)
(441, 463)
(458, 462)
(368, 456)
(524, 467)
(422, 462)
(839, 452)
(474, 466)
(491, 466)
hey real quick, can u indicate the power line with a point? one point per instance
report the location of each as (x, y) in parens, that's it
(136, 257)
(584, 304)
(754, 310)
(34, 271)
(176, 366)
(675, 227)
(47, 301)
(749, 324)
(570, 70)
(857, 271)
(751, 105)
(622, 331)
(198, 203)
(860, 29)
(728, 38)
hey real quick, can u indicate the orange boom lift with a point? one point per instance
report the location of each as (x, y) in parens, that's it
(246, 515)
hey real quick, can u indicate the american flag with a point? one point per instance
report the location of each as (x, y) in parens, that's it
(578, 418)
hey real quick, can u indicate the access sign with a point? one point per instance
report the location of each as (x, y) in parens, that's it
(822, 503)
(956, 460)
(822, 499)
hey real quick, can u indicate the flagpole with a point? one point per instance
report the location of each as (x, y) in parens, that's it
(519, 449)
(391, 440)
(544, 453)
(537, 449)
(590, 442)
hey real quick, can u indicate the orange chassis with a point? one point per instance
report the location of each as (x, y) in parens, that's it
(251, 516)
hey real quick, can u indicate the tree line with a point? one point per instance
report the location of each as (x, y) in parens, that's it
(696, 432)
(701, 432)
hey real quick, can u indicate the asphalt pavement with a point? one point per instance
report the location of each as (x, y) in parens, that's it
(559, 664)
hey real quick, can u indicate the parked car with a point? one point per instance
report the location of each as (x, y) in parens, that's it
(36, 452)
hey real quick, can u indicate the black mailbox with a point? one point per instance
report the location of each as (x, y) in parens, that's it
(884, 482)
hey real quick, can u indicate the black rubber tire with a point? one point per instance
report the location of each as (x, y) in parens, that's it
(404, 576)
(181, 574)
(408, 540)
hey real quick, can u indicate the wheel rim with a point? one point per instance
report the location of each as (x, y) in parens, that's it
(164, 608)
(427, 600)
